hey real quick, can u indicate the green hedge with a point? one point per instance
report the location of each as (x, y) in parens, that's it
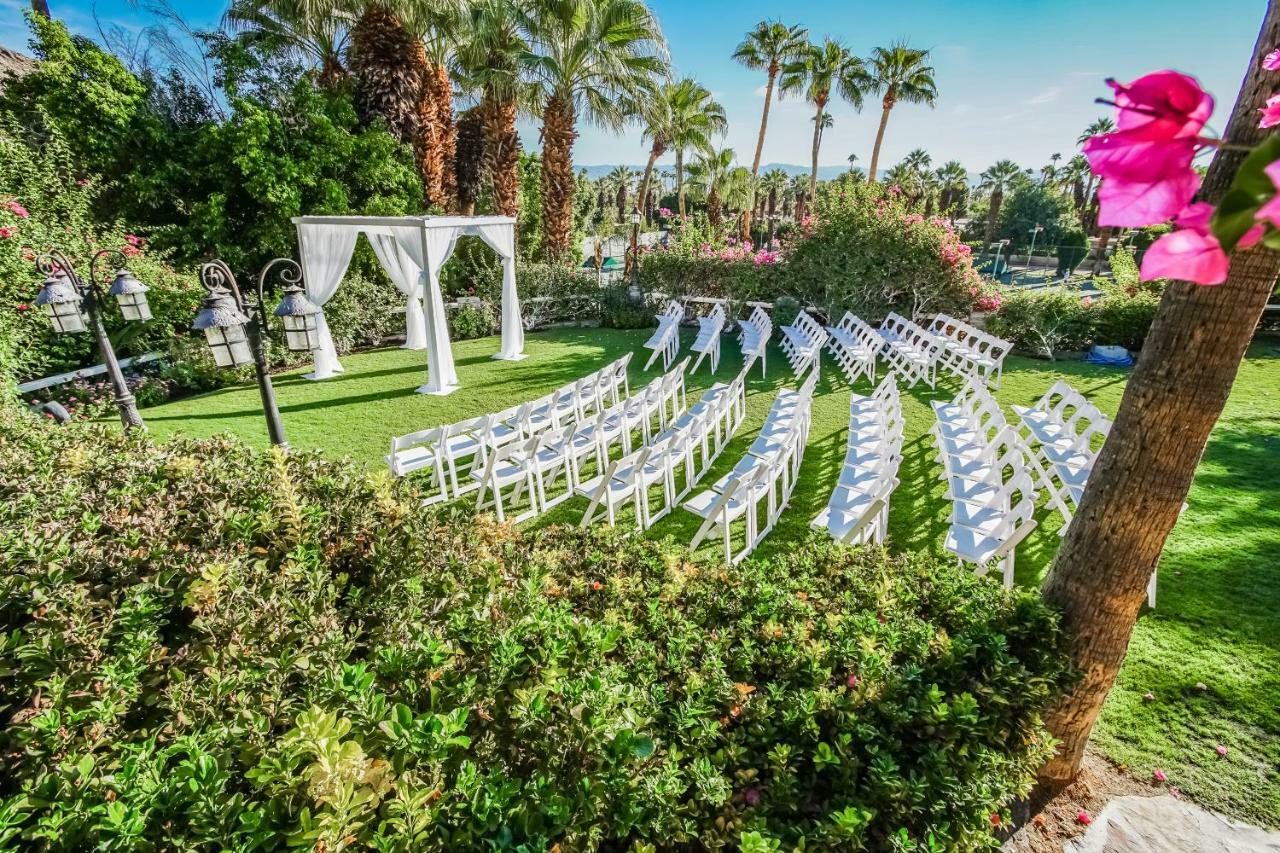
(1054, 320)
(206, 648)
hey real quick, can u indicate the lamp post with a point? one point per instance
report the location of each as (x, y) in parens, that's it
(1031, 252)
(74, 305)
(235, 328)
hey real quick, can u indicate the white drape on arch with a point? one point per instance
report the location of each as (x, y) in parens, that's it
(326, 251)
(405, 273)
(421, 244)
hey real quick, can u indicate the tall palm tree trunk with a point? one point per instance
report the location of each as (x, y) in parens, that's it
(1144, 471)
(558, 136)
(390, 66)
(713, 207)
(890, 97)
(993, 215)
(502, 153)
(655, 151)
(446, 136)
(817, 141)
(468, 161)
(436, 142)
(680, 181)
(1104, 238)
(774, 68)
(41, 8)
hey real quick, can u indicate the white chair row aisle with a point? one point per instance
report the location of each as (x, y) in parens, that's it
(988, 479)
(802, 343)
(674, 458)
(854, 344)
(449, 455)
(754, 334)
(912, 352)
(858, 510)
(969, 351)
(765, 475)
(708, 340)
(665, 340)
(535, 465)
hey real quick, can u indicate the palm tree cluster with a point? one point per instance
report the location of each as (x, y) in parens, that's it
(567, 62)
(821, 72)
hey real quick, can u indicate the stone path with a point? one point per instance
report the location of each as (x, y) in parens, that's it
(1167, 825)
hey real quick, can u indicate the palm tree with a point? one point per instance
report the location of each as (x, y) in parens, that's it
(953, 180)
(439, 25)
(901, 73)
(389, 64)
(997, 180)
(774, 183)
(708, 174)
(683, 116)
(468, 159)
(594, 60)
(769, 47)
(314, 30)
(1073, 177)
(490, 61)
(1097, 128)
(799, 193)
(620, 178)
(817, 74)
(903, 177)
(851, 159)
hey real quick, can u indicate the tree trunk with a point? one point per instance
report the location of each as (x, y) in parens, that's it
(332, 73)
(41, 8)
(1104, 237)
(817, 141)
(655, 151)
(621, 200)
(1142, 476)
(993, 214)
(469, 159)
(774, 68)
(713, 208)
(446, 136)
(889, 98)
(390, 66)
(680, 181)
(502, 153)
(558, 183)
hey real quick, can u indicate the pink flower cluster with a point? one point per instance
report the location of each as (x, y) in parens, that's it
(1147, 175)
(767, 256)
(17, 210)
(8, 231)
(954, 252)
(664, 212)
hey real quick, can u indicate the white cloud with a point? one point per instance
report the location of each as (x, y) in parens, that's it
(962, 109)
(1045, 96)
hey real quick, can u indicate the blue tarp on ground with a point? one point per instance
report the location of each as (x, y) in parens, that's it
(1113, 356)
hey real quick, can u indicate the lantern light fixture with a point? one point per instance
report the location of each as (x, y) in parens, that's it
(131, 295)
(63, 304)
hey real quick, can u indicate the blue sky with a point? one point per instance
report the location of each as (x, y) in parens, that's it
(1016, 77)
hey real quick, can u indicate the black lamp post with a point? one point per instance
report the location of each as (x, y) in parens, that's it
(234, 328)
(635, 250)
(73, 305)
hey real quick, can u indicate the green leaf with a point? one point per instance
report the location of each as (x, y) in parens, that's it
(1251, 187)
(643, 747)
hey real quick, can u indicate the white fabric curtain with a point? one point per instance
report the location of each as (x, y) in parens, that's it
(326, 252)
(406, 275)
(502, 239)
(430, 248)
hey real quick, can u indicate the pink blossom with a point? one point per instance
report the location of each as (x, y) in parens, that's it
(1271, 61)
(1083, 817)
(130, 251)
(664, 211)
(1176, 793)
(1087, 301)
(8, 231)
(18, 210)
(1160, 776)
(852, 681)
(1221, 750)
(1190, 253)
(22, 306)
(1146, 163)
(1270, 212)
(1270, 113)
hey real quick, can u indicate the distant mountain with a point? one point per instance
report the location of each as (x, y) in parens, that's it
(597, 172)
(825, 173)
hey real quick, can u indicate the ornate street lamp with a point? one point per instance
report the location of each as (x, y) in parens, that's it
(234, 328)
(73, 305)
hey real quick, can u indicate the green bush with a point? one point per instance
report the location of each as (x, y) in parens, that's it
(1043, 322)
(1073, 246)
(209, 648)
(785, 310)
(619, 311)
(472, 321)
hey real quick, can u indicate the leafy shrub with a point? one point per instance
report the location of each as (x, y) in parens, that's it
(207, 647)
(1073, 246)
(362, 313)
(619, 311)
(1123, 320)
(472, 321)
(785, 310)
(1032, 205)
(552, 293)
(1043, 322)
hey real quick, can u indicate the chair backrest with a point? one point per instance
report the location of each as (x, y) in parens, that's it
(434, 435)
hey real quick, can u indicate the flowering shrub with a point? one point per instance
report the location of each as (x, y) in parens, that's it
(208, 647)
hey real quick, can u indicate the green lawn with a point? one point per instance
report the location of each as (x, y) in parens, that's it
(1218, 619)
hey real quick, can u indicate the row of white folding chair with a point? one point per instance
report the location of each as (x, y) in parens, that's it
(967, 350)
(1060, 430)
(858, 509)
(854, 344)
(802, 343)
(911, 351)
(438, 450)
(754, 334)
(766, 475)
(708, 340)
(665, 340)
(686, 448)
(532, 464)
(988, 480)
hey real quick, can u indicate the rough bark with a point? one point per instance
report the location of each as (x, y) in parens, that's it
(446, 136)
(713, 207)
(469, 160)
(993, 215)
(41, 8)
(389, 65)
(558, 184)
(1104, 238)
(655, 151)
(817, 142)
(502, 154)
(1142, 476)
(890, 98)
(680, 181)
(774, 68)
(427, 142)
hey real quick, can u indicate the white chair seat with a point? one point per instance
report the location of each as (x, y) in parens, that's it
(702, 503)
(971, 545)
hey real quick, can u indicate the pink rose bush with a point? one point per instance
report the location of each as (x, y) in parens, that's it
(1147, 177)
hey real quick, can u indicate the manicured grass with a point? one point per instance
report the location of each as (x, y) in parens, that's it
(1218, 615)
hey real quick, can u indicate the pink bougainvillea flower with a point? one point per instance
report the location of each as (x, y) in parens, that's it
(1162, 105)
(1083, 817)
(18, 210)
(852, 681)
(1270, 113)
(1176, 793)
(1271, 61)
(1136, 204)
(22, 306)
(8, 231)
(1160, 776)
(1188, 255)
(1270, 212)
(1221, 750)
